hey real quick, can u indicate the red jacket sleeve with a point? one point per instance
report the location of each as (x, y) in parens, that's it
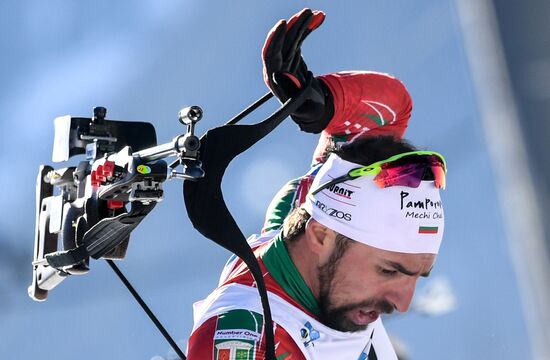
(228, 337)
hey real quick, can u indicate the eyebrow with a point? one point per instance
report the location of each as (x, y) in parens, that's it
(397, 266)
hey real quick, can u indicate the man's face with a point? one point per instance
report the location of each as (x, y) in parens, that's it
(360, 282)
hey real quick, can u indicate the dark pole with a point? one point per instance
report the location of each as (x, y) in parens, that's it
(146, 309)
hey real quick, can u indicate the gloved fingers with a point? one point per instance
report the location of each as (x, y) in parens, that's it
(295, 23)
(294, 59)
(299, 27)
(295, 63)
(318, 19)
(295, 36)
(272, 50)
(295, 33)
(297, 16)
(275, 37)
(275, 40)
(284, 69)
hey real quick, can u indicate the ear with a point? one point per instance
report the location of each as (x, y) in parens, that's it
(320, 240)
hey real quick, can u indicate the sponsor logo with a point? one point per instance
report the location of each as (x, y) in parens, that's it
(237, 334)
(379, 108)
(143, 169)
(340, 191)
(333, 212)
(426, 204)
(234, 350)
(424, 215)
(309, 334)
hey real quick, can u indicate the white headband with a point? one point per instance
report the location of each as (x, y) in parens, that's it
(396, 218)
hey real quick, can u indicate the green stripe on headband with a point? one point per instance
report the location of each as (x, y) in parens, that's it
(374, 168)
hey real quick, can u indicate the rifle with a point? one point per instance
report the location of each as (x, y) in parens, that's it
(90, 210)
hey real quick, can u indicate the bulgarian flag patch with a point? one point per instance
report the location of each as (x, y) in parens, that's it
(427, 230)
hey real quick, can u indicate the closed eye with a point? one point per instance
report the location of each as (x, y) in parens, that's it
(387, 272)
(400, 268)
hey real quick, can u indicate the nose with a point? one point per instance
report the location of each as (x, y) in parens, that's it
(402, 294)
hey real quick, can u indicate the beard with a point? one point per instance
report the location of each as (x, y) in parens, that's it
(336, 317)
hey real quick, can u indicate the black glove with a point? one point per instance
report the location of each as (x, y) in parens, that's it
(285, 71)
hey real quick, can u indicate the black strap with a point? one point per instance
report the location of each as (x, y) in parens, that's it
(70, 257)
(372, 354)
(204, 201)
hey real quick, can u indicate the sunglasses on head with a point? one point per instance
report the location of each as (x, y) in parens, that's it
(406, 169)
